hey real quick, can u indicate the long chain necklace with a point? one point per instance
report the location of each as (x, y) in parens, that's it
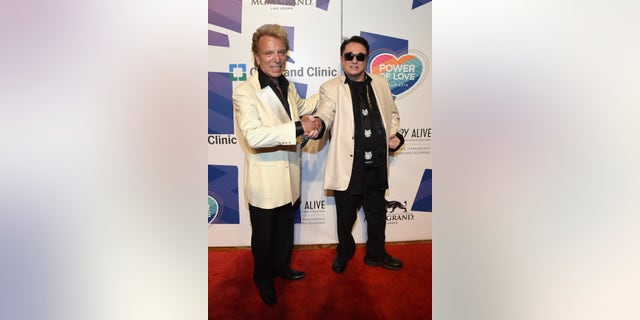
(365, 109)
(366, 89)
(365, 113)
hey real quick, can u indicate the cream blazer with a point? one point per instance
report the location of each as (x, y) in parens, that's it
(268, 139)
(335, 109)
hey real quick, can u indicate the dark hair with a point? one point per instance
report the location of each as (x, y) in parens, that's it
(357, 39)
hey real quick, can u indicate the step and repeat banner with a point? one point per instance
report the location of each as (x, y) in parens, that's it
(399, 35)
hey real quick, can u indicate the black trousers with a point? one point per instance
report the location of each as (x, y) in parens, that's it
(375, 212)
(271, 241)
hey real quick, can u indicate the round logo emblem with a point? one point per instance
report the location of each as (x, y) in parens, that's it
(215, 207)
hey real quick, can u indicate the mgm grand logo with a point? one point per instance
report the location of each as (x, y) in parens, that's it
(282, 2)
(401, 214)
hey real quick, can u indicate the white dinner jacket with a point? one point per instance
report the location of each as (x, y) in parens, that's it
(336, 110)
(268, 139)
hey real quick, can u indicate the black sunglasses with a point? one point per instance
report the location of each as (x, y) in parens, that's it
(349, 56)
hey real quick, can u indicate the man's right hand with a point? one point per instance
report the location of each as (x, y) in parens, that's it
(310, 125)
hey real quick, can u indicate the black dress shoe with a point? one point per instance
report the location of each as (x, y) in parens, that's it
(268, 294)
(292, 275)
(339, 265)
(387, 262)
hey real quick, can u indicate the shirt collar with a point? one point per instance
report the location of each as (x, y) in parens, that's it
(265, 80)
(367, 79)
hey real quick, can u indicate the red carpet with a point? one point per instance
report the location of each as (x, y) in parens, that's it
(361, 292)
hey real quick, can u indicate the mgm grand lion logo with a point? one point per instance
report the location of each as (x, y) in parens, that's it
(402, 214)
(393, 205)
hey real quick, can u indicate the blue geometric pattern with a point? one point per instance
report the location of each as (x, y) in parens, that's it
(226, 14)
(423, 198)
(322, 4)
(301, 88)
(297, 216)
(220, 103)
(378, 41)
(418, 3)
(223, 194)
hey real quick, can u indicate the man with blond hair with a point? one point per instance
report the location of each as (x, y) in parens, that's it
(270, 129)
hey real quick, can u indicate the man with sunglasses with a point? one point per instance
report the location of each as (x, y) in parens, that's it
(359, 111)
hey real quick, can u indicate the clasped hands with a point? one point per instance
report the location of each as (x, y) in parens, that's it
(311, 126)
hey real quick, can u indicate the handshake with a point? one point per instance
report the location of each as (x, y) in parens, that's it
(311, 126)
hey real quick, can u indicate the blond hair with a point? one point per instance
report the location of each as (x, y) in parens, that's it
(274, 30)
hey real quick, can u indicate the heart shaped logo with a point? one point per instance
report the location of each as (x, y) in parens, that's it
(403, 73)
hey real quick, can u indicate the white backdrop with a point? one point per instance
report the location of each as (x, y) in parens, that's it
(400, 37)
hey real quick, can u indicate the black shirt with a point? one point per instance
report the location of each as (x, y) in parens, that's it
(283, 83)
(282, 94)
(370, 136)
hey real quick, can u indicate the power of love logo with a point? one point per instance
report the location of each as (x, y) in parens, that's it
(404, 73)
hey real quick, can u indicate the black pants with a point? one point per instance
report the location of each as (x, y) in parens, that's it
(375, 212)
(271, 241)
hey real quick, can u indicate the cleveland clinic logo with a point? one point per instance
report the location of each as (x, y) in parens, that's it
(238, 72)
(215, 207)
(405, 72)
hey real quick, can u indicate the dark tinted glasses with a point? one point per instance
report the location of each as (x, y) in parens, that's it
(349, 56)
